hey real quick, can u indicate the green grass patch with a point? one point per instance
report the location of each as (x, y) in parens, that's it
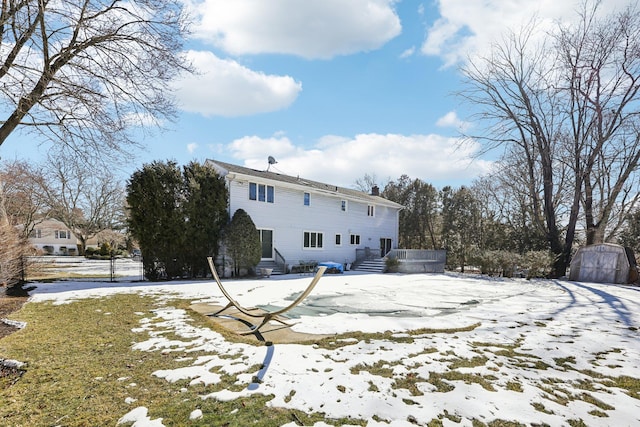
(514, 386)
(381, 368)
(410, 382)
(353, 338)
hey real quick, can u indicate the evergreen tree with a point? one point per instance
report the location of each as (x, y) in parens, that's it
(420, 217)
(243, 242)
(630, 235)
(155, 218)
(460, 225)
(205, 213)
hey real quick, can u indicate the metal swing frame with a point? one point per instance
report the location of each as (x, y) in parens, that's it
(268, 315)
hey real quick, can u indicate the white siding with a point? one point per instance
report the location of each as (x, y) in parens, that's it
(289, 218)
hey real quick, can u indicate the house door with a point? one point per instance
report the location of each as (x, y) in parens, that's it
(385, 246)
(266, 239)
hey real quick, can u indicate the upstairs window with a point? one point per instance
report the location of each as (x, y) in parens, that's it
(343, 205)
(371, 210)
(307, 199)
(261, 192)
(63, 234)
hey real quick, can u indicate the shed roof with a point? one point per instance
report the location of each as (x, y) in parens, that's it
(307, 184)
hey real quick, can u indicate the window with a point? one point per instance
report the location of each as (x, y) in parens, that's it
(312, 240)
(307, 199)
(343, 206)
(355, 239)
(371, 210)
(261, 192)
(338, 239)
(63, 234)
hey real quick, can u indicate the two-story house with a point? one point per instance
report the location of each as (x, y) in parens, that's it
(52, 237)
(304, 220)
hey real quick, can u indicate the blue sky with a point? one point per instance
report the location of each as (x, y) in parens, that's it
(334, 89)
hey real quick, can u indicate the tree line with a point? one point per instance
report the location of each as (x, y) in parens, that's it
(484, 225)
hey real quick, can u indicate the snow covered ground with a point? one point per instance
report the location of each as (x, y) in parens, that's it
(124, 268)
(535, 352)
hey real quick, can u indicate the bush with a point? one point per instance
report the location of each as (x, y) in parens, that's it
(507, 264)
(105, 249)
(90, 251)
(391, 265)
(12, 250)
(496, 263)
(243, 242)
(537, 264)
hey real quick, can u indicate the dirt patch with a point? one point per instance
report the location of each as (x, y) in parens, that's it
(8, 304)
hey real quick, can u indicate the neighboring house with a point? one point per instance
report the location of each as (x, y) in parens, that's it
(303, 220)
(52, 237)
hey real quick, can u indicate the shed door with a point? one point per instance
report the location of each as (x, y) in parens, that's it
(599, 267)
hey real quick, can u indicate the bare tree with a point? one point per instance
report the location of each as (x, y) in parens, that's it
(25, 206)
(86, 201)
(567, 109)
(599, 70)
(366, 183)
(81, 73)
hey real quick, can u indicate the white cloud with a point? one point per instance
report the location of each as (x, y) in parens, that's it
(310, 28)
(341, 161)
(191, 148)
(451, 119)
(468, 27)
(226, 88)
(408, 52)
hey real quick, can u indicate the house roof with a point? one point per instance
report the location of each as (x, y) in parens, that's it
(307, 184)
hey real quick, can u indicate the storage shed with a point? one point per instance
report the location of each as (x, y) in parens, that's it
(604, 263)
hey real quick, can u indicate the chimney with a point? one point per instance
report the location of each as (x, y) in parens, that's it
(375, 190)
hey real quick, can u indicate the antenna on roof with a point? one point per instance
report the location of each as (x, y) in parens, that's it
(271, 161)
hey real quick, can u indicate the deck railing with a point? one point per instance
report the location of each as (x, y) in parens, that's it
(418, 254)
(280, 261)
(419, 260)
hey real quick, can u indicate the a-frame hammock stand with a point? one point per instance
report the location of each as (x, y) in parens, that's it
(268, 315)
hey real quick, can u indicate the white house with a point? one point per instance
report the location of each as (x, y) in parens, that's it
(303, 220)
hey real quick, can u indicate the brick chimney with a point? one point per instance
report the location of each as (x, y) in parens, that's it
(375, 190)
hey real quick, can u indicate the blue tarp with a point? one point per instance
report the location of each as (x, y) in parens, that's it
(332, 265)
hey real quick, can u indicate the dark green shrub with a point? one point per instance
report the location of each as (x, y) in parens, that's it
(242, 242)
